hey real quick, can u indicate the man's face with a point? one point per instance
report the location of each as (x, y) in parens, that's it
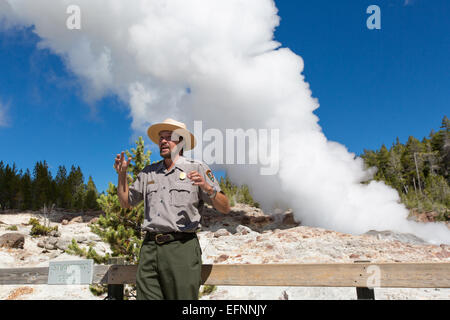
(166, 145)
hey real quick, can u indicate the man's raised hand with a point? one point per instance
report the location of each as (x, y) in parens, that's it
(120, 164)
(198, 180)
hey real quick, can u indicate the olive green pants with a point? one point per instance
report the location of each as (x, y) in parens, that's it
(169, 271)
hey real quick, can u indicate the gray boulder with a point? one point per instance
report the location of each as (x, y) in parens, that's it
(63, 243)
(95, 238)
(80, 238)
(49, 243)
(396, 236)
(55, 233)
(243, 230)
(221, 233)
(12, 240)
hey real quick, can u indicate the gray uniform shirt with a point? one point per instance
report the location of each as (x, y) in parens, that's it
(171, 202)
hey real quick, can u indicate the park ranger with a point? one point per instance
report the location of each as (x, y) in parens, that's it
(174, 191)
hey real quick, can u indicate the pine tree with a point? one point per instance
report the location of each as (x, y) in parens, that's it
(382, 162)
(395, 169)
(61, 186)
(370, 158)
(78, 198)
(119, 227)
(76, 188)
(235, 193)
(229, 189)
(41, 185)
(26, 191)
(141, 158)
(418, 170)
(445, 148)
(10, 187)
(411, 162)
(91, 196)
(244, 196)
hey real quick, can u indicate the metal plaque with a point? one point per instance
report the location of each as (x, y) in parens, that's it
(71, 272)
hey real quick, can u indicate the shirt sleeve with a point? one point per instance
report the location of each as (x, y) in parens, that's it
(136, 190)
(209, 177)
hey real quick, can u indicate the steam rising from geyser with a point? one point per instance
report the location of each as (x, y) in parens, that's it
(216, 61)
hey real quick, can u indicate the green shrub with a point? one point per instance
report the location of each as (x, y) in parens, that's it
(98, 289)
(237, 194)
(90, 253)
(33, 221)
(40, 230)
(206, 290)
(12, 228)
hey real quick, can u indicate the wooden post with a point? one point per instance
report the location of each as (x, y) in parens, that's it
(115, 291)
(364, 293)
(414, 181)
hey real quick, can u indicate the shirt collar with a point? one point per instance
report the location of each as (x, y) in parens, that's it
(161, 166)
(180, 164)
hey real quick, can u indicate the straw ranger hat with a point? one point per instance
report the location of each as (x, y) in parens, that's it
(172, 125)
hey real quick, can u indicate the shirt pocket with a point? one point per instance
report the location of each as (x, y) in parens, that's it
(182, 194)
(152, 190)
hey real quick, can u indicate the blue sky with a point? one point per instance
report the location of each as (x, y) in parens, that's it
(372, 85)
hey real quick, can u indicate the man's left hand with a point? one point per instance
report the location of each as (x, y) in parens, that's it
(198, 180)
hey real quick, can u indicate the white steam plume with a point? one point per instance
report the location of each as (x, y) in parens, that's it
(216, 61)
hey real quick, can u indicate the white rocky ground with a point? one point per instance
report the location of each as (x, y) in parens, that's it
(246, 235)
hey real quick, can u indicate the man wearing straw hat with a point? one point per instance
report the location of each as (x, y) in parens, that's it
(174, 191)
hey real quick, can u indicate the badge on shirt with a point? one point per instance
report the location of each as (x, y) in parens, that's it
(151, 182)
(182, 175)
(210, 175)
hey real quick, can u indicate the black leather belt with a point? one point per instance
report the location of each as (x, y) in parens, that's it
(161, 238)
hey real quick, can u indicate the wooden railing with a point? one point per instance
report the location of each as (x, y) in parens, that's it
(362, 276)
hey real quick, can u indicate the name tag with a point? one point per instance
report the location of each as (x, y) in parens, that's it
(151, 182)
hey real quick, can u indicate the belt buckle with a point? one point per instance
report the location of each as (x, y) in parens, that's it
(160, 235)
